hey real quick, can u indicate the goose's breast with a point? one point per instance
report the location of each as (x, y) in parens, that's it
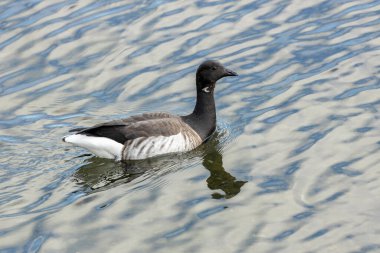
(144, 147)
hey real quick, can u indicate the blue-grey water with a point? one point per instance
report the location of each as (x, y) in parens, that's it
(293, 166)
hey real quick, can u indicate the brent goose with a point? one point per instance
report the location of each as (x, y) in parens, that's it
(152, 134)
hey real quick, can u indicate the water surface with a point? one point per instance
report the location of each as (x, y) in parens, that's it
(293, 166)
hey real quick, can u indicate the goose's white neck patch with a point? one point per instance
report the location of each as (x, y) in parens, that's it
(206, 90)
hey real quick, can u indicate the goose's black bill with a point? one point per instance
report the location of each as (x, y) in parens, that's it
(229, 72)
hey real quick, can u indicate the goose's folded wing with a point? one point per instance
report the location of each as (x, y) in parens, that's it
(113, 129)
(122, 131)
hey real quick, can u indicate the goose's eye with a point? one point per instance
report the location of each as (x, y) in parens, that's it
(213, 68)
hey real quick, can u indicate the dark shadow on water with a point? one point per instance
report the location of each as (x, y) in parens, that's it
(100, 174)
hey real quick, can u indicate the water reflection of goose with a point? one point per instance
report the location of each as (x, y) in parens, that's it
(100, 174)
(219, 178)
(152, 134)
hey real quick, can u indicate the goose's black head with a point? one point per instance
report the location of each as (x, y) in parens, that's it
(208, 73)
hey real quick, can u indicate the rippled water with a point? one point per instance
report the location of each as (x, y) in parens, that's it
(293, 166)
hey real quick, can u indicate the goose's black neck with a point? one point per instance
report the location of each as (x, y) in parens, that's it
(203, 118)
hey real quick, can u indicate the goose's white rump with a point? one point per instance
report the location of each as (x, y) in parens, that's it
(139, 148)
(100, 146)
